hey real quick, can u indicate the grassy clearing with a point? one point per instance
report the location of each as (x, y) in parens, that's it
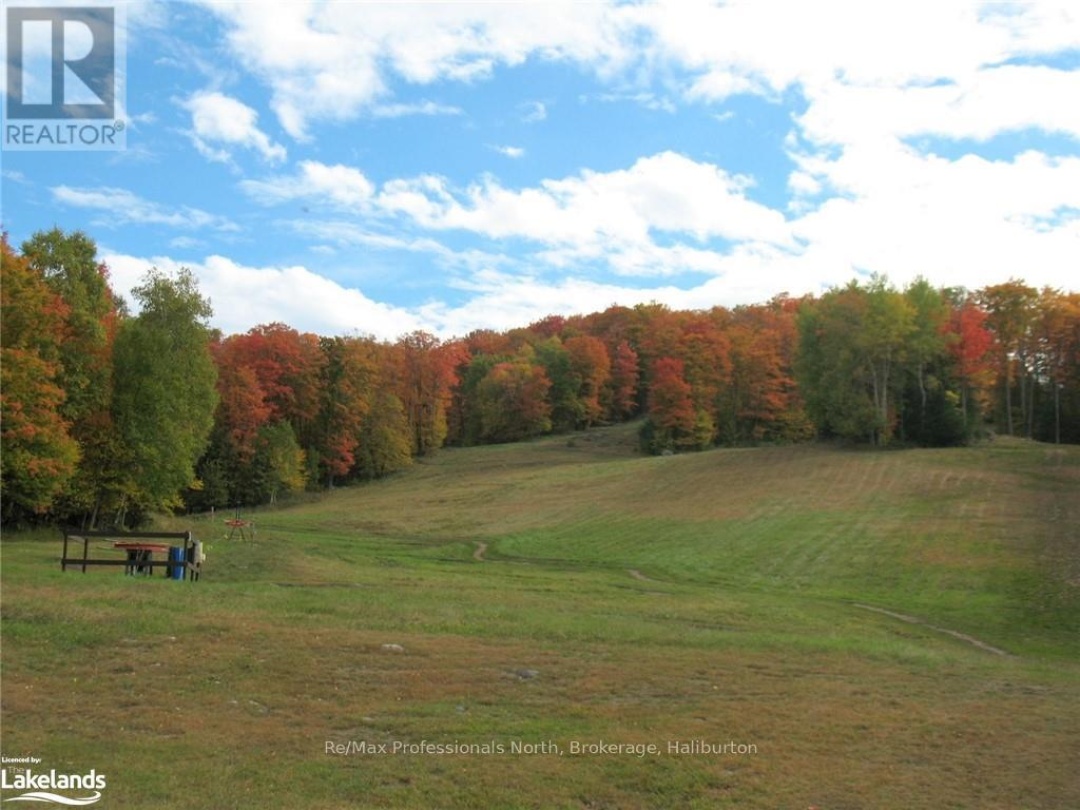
(632, 600)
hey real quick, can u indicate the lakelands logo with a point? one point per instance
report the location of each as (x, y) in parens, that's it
(41, 786)
(64, 82)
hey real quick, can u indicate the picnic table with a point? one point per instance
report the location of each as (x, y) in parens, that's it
(139, 551)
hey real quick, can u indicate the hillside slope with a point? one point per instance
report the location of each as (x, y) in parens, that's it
(982, 538)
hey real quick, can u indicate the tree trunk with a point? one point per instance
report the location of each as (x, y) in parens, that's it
(1057, 413)
(875, 434)
(884, 404)
(1008, 396)
(1031, 406)
(922, 392)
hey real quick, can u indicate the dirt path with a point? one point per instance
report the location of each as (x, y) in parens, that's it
(481, 548)
(982, 645)
(638, 575)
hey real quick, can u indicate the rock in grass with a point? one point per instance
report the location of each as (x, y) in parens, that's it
(394, 648)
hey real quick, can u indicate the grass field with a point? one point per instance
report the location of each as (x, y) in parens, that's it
(838, 629)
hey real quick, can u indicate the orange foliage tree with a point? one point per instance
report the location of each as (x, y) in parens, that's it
(39, 455)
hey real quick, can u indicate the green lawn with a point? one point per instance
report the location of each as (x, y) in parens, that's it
(492, 608)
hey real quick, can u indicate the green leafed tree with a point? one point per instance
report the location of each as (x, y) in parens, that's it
(512, 402)
(829, 366)
(1057, 334)
(883, 343)
(280, 461)
(1011, 313)
(385, 438)
(852, 346)
(165, 395)
(567, 409)
(467, 401)
(929, 314)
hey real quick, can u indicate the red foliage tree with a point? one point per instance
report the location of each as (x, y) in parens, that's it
(968, 342)
(671, 403)
(624, 381)
(762, 401)
(705, 350)
(591, 365)
(288, 367)
(241, 409)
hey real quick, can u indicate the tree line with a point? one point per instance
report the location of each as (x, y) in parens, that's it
(108, 415)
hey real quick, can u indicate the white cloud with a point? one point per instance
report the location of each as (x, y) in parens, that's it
(595, 213)
(220, 121)
(344, 186)
(744, 46)
(351, 234)
(244, 296)
(510, 151)
(122, 207)
(868, 70)
(957, 222)
(642, 98)
(968, 222)
(330, 61)
(418, 108)
(505, 302)
(877, 205)
(996, 100)
(533, 112)
(185, 243)
(145, 118)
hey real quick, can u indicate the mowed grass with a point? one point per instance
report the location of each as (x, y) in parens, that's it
(569, 591)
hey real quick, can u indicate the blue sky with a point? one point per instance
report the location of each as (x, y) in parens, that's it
(376, 168)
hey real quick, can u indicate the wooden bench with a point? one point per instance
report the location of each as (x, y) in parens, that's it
(139, 550)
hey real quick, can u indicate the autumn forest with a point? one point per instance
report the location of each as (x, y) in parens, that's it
(110, 414)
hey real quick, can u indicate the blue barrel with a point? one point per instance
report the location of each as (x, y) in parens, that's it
(176, 555)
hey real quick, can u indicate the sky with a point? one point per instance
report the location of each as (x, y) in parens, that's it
(380, 167)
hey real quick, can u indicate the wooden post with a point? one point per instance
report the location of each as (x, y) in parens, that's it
(63, 560)
(85, 552)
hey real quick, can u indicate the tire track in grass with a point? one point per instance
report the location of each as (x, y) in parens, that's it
(982, 645)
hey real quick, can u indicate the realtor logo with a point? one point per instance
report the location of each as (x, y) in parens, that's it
(61, 63)
(63, 78)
